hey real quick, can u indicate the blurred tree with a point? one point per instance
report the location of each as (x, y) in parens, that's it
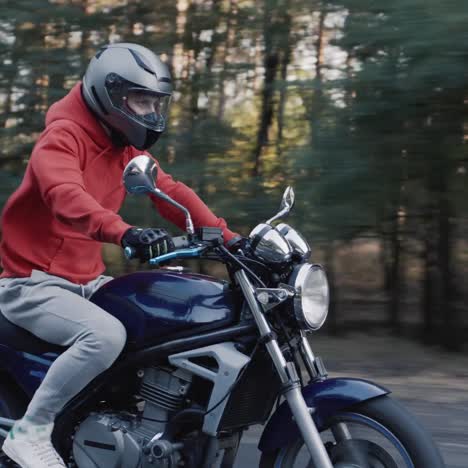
(403, 124)
(360, 105)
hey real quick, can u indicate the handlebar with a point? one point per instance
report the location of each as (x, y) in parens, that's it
(193, 247)
(183, 249)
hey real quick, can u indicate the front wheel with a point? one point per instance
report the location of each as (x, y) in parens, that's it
(379, 433)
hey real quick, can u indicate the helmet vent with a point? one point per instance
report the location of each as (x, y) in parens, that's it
(139, 60)
(101, 51)
(96, 97)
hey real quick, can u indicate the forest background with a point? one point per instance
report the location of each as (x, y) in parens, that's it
(360, 105)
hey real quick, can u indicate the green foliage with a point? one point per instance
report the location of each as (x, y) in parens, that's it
(403, 92)
(366, 102)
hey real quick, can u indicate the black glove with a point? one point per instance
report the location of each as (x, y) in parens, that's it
(147, 243)
(240, 243)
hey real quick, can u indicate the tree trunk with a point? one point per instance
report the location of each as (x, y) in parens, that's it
(451, 334)
(271, 62)
(445, 128)
(285, 59)
(428, 301)
(394, 280)
(230, 35)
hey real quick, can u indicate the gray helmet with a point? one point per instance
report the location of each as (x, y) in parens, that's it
(123, 72)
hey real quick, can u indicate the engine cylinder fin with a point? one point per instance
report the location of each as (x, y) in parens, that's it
(160, 397)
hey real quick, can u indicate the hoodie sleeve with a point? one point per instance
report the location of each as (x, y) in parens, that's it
(201, 214)
(55, 163)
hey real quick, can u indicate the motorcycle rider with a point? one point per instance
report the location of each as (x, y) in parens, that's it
(66, 206)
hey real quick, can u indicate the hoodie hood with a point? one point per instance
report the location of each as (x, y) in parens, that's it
(73, 107)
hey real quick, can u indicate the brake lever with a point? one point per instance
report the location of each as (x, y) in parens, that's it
(183, 253)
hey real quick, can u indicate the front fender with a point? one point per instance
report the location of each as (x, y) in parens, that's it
(327, 398)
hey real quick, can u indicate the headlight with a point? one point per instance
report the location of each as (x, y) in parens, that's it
(269, 245)
(312, 298)
(297, 242)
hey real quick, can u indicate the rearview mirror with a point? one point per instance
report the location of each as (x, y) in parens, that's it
(140, 175)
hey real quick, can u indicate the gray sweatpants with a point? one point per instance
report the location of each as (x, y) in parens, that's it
(58, 311)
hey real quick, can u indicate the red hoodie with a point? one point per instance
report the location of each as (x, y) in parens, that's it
(68, 201)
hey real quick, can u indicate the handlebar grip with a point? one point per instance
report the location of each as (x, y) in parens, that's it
(180, 242)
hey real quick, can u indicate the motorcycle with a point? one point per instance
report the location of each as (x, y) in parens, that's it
(207, 358)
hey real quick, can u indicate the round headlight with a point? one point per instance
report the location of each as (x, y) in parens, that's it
(312, 298)
(297, 242)
(269, 245)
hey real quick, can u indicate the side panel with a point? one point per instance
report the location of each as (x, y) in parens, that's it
(27, 370)
(327, 398)
(230, 363)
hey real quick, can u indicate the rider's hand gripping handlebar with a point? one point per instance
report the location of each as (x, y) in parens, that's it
(180, 242)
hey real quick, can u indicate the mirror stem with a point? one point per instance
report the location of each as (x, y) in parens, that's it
(188, 219)
(189, 224)
(283, 212)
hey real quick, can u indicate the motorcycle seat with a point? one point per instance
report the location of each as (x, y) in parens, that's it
(19, 339)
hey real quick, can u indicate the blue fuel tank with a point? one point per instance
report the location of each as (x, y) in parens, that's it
(159, 305)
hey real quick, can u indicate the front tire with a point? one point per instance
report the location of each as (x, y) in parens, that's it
(412, 443)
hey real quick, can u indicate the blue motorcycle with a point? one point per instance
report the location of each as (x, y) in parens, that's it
(206, 359)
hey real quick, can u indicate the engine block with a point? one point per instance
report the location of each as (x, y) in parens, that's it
(109, 439)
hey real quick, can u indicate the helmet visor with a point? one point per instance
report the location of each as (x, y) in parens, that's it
(146, 107)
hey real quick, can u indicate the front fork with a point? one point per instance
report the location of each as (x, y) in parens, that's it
(289, 378)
